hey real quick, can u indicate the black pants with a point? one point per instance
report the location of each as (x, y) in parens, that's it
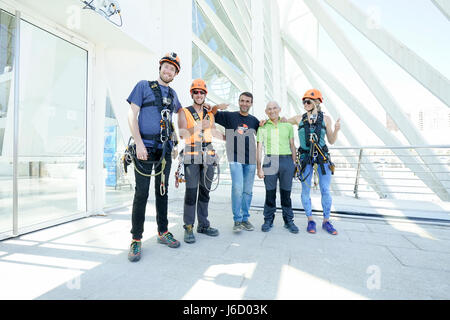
(142, 192)
(195, 180)
(280, 168)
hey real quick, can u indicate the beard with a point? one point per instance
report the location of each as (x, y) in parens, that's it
(244, 109)
(165, 78)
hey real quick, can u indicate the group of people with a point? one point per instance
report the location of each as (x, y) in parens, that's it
(152, 105)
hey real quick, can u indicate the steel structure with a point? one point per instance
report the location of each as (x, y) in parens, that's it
(248, 42)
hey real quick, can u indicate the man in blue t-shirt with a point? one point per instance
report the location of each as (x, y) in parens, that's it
(241, 128)
(147, 101)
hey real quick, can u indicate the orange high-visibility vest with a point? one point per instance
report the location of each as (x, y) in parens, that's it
(199, 137)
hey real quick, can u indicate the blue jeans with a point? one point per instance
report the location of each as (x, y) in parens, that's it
(324, 183)
(242, 176)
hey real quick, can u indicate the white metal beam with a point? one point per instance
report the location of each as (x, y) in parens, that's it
(245, 14)
(237, 21)
(258, 58)
(417, 67)
(229, 72)
(444, 6)
(297, 51)
(385, 98)
(230, 41)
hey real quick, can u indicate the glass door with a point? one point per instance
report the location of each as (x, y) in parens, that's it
(7, 31)
(52, 128)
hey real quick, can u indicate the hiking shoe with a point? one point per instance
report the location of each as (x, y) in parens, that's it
(189, 233)
(329, 228)
(134, 254)
(247, 226)
(311, 227)
(208, 231)
(237, 226)
(291, 227)
(268, 224)
(168, 239)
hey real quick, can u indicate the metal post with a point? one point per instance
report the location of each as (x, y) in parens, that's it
(16, 126)
(355, 190)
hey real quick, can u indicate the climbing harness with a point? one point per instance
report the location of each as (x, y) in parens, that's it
(208, 154)
(167, 132)
(316, 156)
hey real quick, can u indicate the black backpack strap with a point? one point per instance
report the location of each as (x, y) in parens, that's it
(195, 114)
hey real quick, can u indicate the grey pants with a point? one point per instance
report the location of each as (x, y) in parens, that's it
(195, 179)
(278, 168)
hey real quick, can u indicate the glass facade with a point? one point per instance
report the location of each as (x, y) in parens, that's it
(7, 31)
(203, 67)
(51, 171)
(119, 186)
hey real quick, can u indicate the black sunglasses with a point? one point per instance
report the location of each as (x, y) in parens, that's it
(198, 91)
(307, 101)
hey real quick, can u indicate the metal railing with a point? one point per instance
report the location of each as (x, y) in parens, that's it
(401, 172)
(396, 172)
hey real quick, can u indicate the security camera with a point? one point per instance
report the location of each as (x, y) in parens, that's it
(106, 8)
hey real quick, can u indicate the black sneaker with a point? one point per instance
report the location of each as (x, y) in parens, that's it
(134, 254)
(291, 227)
(237, 226)
(268, 224)
(247, 226)
(189, 233)
(208, 231)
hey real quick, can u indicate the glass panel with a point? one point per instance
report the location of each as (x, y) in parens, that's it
(7, 30)
(119, 187)
(52, 127)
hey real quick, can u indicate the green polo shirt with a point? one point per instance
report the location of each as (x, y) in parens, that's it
(276, 137)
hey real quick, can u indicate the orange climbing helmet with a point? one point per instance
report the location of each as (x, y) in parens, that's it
(313, 94)
(172, 58)
(198, 84)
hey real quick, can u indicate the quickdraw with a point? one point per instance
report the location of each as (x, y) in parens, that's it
(179, 173)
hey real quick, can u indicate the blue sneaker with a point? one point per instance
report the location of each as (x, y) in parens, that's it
(311, 227)
(329, 228)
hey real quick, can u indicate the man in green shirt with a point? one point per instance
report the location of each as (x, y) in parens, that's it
(277, 138)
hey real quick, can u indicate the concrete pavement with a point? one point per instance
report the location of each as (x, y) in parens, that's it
(368, 259)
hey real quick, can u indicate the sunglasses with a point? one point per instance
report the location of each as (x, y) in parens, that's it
(198, 92)
(306, 101)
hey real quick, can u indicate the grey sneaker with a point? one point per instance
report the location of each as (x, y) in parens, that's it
(189, 233)
(168, 239)
(213, 232)
(237, 226)
(247, 226)
(134, 254)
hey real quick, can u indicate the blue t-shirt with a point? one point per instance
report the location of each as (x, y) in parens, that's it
(149, 117)
(240, 134)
